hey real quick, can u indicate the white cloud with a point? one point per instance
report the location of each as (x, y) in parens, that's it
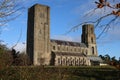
(20, 47)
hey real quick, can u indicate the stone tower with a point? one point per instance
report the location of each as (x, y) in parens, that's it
(89, 38)
(38, 34)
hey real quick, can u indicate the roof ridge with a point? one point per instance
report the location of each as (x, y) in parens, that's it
(65, 40)
(70, 43)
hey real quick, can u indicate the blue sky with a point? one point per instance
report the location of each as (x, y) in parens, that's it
(64, 14)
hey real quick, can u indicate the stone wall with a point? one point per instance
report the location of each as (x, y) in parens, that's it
(39, 34)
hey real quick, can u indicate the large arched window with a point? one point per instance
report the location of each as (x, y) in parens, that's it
(58, 60)
(92, 50)
(86, 52)
(53, 47)
(92, 39)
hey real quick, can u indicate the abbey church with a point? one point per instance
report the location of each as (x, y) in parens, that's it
(45, 51)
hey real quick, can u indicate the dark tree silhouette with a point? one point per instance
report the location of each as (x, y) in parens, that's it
(5, 56)
(111, 60)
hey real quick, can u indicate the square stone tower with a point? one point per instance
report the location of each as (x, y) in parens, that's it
(38, 35)
(88, 37)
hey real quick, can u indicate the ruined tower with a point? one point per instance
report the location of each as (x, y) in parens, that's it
(38, 34)
(89, 38)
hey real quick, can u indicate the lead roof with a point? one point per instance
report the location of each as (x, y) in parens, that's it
(68, 43)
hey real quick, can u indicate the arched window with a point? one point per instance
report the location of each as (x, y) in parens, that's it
(58, 60)
(92, 39)
(53, 47)
(61, 60)
(92, 50)
(91, 30)
(86, 52)
(66, 61)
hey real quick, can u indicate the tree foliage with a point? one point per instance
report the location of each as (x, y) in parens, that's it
(5, 56)
(12, 57)
(111, 60)
(19, 59)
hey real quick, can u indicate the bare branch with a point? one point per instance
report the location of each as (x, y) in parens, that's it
(9, 11)
(106, 27)
(94, 22)
(113, 15)
(17, 40)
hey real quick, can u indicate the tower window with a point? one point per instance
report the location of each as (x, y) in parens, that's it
(91, 30)
(92, 50)
(58, 60)
(92, 39)
(86, 52)
(53, 47)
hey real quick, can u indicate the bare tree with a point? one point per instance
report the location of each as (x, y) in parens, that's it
(9, 10)
(113, 14)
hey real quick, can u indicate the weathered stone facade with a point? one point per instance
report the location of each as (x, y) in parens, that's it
(38, 34)
(43, 51)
